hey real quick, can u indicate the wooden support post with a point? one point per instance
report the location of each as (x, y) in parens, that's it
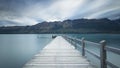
(75, 44)
(103, 54)
(83, 47)
(70, 40)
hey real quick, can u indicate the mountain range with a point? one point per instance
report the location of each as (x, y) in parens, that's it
(67, 26)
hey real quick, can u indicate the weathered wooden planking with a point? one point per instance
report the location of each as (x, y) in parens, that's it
(58, 54)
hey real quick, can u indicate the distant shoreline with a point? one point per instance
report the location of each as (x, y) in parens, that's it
(76, 26)
(59, 33)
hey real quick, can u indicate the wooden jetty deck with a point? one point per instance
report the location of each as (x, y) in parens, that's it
(58, 54)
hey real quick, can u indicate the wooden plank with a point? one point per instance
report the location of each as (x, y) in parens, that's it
(58, 54)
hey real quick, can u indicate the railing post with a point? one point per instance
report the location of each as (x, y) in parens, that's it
(75, 44)
(103, 54)
(83, 47)
(70, 40)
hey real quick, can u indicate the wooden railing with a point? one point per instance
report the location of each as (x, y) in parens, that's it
(103, 50)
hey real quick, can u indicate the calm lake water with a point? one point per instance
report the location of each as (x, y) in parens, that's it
(17, 49)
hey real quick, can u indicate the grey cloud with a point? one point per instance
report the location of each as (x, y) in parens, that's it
(24, 11)
(9, 23)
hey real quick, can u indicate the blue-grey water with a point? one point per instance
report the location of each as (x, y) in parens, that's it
(17, 49)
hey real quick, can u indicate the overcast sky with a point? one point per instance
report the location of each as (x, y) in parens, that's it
(30, 12)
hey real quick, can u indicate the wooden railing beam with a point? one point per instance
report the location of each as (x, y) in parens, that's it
(103, 50)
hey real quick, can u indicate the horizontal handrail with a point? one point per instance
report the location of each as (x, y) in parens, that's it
(103, 49)
(95, 44)
(112, 49)
(111, 65)
(79, 40)
(92, 53)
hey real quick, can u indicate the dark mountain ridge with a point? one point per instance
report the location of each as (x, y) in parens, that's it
(67, 26)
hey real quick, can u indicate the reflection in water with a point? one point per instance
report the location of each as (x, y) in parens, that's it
(16, 50)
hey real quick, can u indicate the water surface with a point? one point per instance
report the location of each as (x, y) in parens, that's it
(17, 49)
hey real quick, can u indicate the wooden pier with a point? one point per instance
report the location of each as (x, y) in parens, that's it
(58, 54)
(63, 52)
